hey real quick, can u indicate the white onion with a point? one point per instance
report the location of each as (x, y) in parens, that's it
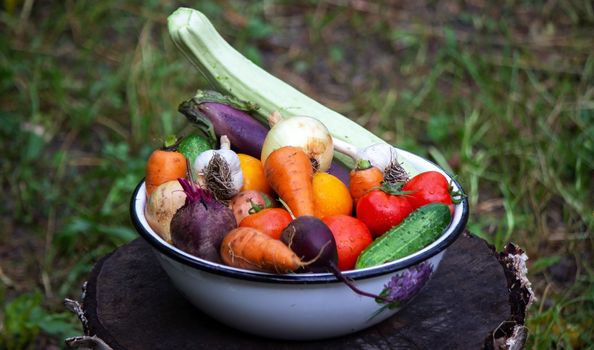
(304, 132)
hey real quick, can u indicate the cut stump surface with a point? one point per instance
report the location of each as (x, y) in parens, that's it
(131, 304)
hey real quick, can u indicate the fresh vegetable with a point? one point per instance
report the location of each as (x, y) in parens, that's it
(192, 145)
(232, 73)
(331, 196)
(313, 242)
(271, 221)
(428, 187)
(221, 170)
(253, 174)
(300, 131)
(248, 248)
(418, 230)
(217, 114)
(380, 155)
(351, 236)
(162, 205)
(363, 179)
(199, 226)
(380, 211)
(164, 164)
(244, 201)
(289, 173)
(340, 171)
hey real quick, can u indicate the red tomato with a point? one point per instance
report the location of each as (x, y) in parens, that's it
(428, 187)
(351, 235)
(381, 211)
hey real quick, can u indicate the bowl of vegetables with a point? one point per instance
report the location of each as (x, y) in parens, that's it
(282, 218)
(303, 282)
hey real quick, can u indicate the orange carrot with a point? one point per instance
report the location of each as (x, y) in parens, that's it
(289, 172)
(363, 179)
(164, 164)
(249, 248)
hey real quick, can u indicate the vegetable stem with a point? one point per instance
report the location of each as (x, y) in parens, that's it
(225, 143)
(345, 148)
(194, 114)
(170, 141)
(363, 164)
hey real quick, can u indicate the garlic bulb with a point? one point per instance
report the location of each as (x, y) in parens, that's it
(381, 155)
(301, 131)
(220, 170)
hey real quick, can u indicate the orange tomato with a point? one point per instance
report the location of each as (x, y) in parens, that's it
(331, 196)
(271, 221)
(253, 174)
(351, 235)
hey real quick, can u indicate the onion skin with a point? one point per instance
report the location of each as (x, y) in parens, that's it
(305, 132)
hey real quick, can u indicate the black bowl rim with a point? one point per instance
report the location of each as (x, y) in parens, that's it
(221, 270)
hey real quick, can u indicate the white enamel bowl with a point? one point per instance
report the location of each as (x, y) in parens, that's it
(299, 306)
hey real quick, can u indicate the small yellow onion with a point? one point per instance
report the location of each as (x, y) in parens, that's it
(301, 131)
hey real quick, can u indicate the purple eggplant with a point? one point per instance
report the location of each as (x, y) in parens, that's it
(216, 118)
(340, 171)
(217, 114)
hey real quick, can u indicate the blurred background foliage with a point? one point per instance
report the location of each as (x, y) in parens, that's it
(499, 93)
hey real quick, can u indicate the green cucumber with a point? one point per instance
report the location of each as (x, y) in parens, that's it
(418, 230)
(192, 145)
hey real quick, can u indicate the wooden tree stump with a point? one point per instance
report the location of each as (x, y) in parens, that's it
(470, 303)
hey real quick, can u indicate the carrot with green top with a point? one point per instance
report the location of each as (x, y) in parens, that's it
(164, 164)
(363, 179)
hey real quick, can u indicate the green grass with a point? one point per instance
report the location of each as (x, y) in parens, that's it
(501, 95)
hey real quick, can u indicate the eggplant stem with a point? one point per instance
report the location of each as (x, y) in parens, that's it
(190, 109)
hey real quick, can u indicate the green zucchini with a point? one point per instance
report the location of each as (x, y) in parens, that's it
(418, 230)
(233, 74)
